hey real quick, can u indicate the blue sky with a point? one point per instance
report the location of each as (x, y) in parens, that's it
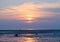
(37, 14)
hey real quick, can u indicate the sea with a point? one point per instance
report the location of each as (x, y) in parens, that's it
(53, 36)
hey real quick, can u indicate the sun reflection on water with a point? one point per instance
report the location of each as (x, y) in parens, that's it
(28, 39)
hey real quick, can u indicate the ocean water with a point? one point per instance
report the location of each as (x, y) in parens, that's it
(41, 37)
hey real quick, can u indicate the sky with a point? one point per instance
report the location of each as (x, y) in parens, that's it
(29, 14)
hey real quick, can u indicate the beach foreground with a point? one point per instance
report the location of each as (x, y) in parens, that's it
(41, 37)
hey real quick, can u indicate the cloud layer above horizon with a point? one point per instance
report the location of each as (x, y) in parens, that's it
(41, 13)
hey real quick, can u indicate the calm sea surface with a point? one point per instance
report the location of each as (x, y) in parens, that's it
(42, 37)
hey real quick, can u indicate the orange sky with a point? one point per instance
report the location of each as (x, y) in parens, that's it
(27, 12)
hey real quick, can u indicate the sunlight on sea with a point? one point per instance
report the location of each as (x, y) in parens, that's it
(28, 38)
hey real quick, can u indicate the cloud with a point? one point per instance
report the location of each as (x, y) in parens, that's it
(53, 10)
(28, 10)
(43, 13)
(51, 1)
(8, 3)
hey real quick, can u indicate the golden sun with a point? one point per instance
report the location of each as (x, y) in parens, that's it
(29, 19)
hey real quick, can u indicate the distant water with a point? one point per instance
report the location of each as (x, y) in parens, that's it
(42, 37)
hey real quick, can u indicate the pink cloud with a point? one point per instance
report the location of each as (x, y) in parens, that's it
(27, 10)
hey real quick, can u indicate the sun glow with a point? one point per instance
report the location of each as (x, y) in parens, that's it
(29, 18)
